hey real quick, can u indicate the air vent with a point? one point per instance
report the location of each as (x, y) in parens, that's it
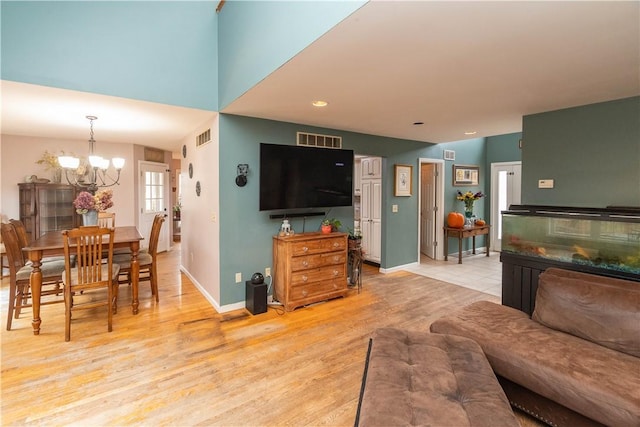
(317, 140)
(449, 155)
(203, 138)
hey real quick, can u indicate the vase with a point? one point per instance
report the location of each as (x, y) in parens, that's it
(90, 218)
(57, 176)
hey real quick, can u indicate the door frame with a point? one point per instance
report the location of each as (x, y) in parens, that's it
(494, 200)
(165, 230)
(439, 164)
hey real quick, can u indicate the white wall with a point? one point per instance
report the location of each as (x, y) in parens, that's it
(200, 235)
(18, 157)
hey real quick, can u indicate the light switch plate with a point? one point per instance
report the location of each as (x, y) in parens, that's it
(394, 208)
(545, 183)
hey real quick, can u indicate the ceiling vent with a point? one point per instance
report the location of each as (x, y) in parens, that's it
(203, 138)
(449, 155)
(317, 140)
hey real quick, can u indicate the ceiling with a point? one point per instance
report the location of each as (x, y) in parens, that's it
(455, 66)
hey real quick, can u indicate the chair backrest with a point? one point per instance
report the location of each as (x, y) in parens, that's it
(12, 248)
(158, 220)
(21, 232)
(87, 243)
(107, 219)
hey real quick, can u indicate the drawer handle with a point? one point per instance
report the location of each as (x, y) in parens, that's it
(305, 278)
(305, 249)
(305, 293)
(336, 244)
(335, 272)
(336, 258)
(305, 263)
(335, 286)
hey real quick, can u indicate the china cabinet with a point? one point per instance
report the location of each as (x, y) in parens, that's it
(47, 207)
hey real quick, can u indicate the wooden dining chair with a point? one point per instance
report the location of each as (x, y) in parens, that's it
(19, 276)
(107, 219)
(90, 272)
(146, 260)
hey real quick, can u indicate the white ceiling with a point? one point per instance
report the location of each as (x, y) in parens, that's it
(456, 66)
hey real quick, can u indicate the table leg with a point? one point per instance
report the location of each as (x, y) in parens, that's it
(488, 242)
(36, 289)
(135, 276)
(474, 245)
(460, 249)
(446, 245)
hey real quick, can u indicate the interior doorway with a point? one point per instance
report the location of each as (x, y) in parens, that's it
(154, 198)
(431, 200)
(506, 181)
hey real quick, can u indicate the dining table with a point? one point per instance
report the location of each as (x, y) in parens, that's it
(52, 243)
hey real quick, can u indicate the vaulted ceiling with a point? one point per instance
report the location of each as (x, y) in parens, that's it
(455, 66)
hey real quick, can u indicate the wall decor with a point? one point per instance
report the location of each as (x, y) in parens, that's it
(198, 188)
(184, 151)
(190, 170)
(466, 175)
(403, 175)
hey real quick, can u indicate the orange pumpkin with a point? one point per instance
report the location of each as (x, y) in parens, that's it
(455, 220)
(480, 222)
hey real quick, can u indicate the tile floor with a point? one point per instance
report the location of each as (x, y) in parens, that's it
(477, 272)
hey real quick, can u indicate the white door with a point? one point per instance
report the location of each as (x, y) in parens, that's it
(428, 210)
(371, 219)
(506, 180)
(430, 218)
(154, 197)
(375, 249)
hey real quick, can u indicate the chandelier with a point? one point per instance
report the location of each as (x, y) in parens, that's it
(98, 177)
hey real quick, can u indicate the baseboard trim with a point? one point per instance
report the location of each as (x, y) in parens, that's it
(398, 268)
(217, 307)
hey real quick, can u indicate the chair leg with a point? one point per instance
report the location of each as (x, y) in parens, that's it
(12, 300)
(67, 315)
(116, 288)
(110, 307)
(154, 281)
(19, 300)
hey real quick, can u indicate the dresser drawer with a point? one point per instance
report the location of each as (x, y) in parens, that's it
(315, 289)
(318, 246)
(317, 274)
(316, 261)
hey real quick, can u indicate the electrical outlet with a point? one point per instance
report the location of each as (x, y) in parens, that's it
(267, 271)
(394, 208)
(238, 277)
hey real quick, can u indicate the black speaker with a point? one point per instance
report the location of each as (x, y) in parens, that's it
(256, 300)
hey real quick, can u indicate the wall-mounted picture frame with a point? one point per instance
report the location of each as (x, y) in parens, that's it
(403, 174)
(466, 175)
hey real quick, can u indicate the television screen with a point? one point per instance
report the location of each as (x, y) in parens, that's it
(295, 177)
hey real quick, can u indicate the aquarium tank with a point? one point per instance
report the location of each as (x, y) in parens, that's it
(607, 239)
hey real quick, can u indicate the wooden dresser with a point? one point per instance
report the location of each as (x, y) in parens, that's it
(309, 267)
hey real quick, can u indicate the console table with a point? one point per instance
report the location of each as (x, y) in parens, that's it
(463, 233)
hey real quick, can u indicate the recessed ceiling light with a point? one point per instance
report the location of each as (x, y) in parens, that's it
(418, 123)
(319, 103)
(471, 132)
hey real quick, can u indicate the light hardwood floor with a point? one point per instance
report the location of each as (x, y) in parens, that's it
(179, 363)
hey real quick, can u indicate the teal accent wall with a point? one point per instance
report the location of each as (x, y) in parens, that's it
(592, 152)
(159, 51)
(246, 233)
(257, 37)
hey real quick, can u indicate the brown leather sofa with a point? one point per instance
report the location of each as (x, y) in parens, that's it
(576, 360)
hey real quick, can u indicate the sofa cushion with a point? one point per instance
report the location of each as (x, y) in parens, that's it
(419, 378)
(595, 381)
(603, 310)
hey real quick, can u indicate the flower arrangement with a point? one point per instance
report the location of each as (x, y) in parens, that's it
(86, 201)
(49, 160)
(469, 198)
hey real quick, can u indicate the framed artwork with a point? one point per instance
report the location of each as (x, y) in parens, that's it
(403, 174)
(466, 175)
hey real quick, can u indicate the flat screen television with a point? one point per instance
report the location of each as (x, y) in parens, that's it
(296, 177)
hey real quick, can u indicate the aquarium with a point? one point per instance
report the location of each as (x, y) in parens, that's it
(607, 239)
